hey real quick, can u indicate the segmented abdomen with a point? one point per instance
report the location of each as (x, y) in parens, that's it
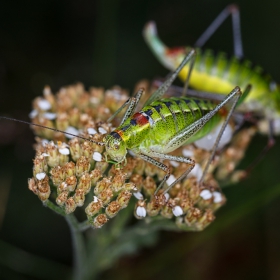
(156, 123)
(237, 72)
(219, 74)
(170, 115)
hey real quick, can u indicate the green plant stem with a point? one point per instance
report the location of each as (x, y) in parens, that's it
(79, 249)
(78, 242)
(83, 226)
(58, 210)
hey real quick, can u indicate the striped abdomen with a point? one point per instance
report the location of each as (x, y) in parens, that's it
(161, 120)
(218, 74)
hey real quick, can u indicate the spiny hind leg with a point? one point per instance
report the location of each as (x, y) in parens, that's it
(186, 85)
(131, 103)
(185, 134)
(232, 10)
(164, 87)
(148, 156)
(218, 139)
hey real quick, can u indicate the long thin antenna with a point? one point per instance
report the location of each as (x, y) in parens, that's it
(54, 129)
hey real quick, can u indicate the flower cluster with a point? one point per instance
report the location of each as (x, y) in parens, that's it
(73, 172)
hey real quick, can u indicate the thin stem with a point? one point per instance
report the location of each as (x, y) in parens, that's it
(83, 226)
(58, 210)
(79, 250)
(76, 228)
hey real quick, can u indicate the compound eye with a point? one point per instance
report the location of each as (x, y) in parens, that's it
(116, 146)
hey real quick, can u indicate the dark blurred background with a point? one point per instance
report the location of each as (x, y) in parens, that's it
(100, 43)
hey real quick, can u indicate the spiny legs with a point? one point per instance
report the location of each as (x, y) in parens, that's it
(215, 147)
(164, 87)
(132, 103)
(148, 156)
(237, 40)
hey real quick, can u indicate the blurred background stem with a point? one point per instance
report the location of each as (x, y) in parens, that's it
(79, 249)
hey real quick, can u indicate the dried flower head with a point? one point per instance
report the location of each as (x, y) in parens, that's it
(69, 169)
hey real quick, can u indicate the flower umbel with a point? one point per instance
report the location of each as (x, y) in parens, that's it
(73, 172)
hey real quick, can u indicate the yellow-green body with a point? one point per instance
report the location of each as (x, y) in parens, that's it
(157, 123)
(218, 74)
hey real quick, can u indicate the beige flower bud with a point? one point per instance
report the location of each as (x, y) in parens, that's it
(84, 183)
(118, 181)
(106, 196)
(79, 197)
(149, 186)
(94, 207)
(112, 209)
(32, 186)
(70, 205)
(82, 165)
(69, 169)
(57, 175)
(87, 149)
(102, 185)
(75, 148)
(44, 189)
(123, 198)
(100, 220)
(52, 151)
(192, 216)
(71, 183)
(40, 164)
(95, 175)
(61, 198)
